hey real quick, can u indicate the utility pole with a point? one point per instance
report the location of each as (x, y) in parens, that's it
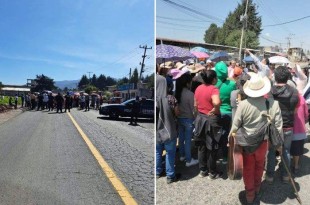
(243, 20)
(143, 57)
(289, 40)
(89, 76)
(129, 84)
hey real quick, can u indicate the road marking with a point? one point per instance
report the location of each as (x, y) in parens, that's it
(116, 182)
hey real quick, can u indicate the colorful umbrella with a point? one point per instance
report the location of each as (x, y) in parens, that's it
(200, 49)
(200, 54)
(248, 59)
(278, 60)
(219, 56)
(168, 53)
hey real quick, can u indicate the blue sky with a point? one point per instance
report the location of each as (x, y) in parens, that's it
(191, 27)
(66, 39)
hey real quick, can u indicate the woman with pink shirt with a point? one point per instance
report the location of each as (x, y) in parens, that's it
(299, 133)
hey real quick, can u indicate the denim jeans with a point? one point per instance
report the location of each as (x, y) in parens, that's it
(226, 123)
(185, 130)
(271, 157)
(170, 147)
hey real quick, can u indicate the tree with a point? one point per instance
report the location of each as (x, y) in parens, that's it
(110, 81)
(135, 76)
(94, 80)
(233, 24)
(43, 83)
(149, 80)
(233, 39)
(83, 82)
(101, 82)
(211, 34)
(122, 81)
(90, 88)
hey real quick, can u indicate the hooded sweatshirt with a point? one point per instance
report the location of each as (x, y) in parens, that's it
(225, 87)
(288, 99)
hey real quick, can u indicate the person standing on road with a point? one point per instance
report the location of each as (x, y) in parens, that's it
(50, 102)
(40, 102)
(185, 99)
(87, 103)
(135, 111)
(207, 132)
(249, 115)
(68, 100)
(82, 101)
(59, 102)
(166, 133)
(16, 100)
(225, 87)
(23, 99)
(288, 99)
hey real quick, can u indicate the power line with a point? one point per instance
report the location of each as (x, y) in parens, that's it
(177, 19)
(194, 11)
(174, 24)
(287, 22)
(270, 40)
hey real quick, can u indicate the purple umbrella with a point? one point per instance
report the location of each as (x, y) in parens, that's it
(168, 53)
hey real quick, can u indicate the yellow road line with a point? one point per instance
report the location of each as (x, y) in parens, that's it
(116, 182)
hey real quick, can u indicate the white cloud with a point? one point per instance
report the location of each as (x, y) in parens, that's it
(267, 34)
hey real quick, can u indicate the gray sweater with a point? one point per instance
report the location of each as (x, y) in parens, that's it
(249, 114)
(186, 106)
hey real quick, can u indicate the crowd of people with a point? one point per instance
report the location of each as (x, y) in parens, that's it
(49, 101)
(206, 103)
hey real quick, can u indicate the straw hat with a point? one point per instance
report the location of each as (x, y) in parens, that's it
(179, 65)
(167, 64)
(257, 86)
(196, 68)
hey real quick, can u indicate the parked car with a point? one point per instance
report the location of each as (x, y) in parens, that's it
(124, 109)
(115, 100)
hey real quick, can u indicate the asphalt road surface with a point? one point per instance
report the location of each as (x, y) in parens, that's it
(44, 160)
(192, 189)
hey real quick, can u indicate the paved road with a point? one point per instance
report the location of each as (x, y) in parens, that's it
(195, 190)
(44, 160)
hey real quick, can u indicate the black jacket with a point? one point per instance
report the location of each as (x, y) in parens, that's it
(208, 131)
(287, 97)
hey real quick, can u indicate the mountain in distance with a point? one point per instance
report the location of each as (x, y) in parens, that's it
(70, 84)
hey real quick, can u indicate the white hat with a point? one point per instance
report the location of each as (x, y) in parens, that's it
(257, 86)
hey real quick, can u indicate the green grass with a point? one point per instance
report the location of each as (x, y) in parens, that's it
(5, 101)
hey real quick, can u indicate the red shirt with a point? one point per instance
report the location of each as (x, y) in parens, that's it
(203, 97)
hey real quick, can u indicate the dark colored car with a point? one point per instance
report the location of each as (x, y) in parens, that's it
(124, 109)
(115, 100)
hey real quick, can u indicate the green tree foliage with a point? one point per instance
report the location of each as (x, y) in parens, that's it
(43, 83)
(1, 85)
(149, 79)
(135, 76)
(101, 82)
(123, 81)
(110, 81)
(233, 39)
(90, 88)
(94, 80)
(83, 82)
(211, 34)
(228, 33)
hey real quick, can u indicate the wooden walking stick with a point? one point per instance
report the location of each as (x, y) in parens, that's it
(291, 180)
